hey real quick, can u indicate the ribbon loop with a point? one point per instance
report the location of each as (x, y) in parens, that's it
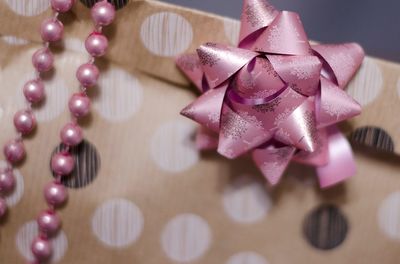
(207, 109)
(239, 133)
(190, 65)
(220, 62)
(341, 165)
(258, 80)
(256, 14)
(285, 35)
(302, 73)
(335, 105)
(343, 59)
(299, 128)
(273, 161)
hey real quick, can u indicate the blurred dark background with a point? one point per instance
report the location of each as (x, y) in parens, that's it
(375, 24)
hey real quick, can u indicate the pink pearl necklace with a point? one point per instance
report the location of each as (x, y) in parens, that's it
(62, 162)
(51, 30)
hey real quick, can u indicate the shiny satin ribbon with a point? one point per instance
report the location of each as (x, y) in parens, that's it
(275, 96)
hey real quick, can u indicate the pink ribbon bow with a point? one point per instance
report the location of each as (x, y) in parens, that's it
(275, 95)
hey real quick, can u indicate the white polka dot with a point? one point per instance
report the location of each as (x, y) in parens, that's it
(246, 200)
(247, 258)
(1, 112)
(55, 101)
(57, 95)
(232, 29)
(58, 88)
(28, 7)
(15, 41)
(74, 44)
(172, 146)
(29, 231)
(166, 34)
(117, 223)
(120, 95)
(368, 83)
(389, 216)
(13, 198)
(18, 192)
(186, 238)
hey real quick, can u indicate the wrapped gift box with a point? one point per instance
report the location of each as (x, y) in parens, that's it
(142, 193)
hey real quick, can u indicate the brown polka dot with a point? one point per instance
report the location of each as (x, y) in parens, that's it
(325, 227)
(374, 137)
(87, 164)
(117, 3)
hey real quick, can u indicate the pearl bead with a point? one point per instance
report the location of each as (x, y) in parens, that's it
(14, 151)
(51, 30)
(62, 6)
(7, 181)
(79, 105)
(3, 207)
(41, 249)
(24, 121)
(55, 194)
(103, 13)
(96, 44)
(49, 222)
(43, 60)
(62, 163)
(34, 91)
(71, 134)
(87, 74)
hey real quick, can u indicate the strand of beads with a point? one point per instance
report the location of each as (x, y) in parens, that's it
(51, 30)
(62, 162)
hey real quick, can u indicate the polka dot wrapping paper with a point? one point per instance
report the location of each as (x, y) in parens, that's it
(142, 193)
